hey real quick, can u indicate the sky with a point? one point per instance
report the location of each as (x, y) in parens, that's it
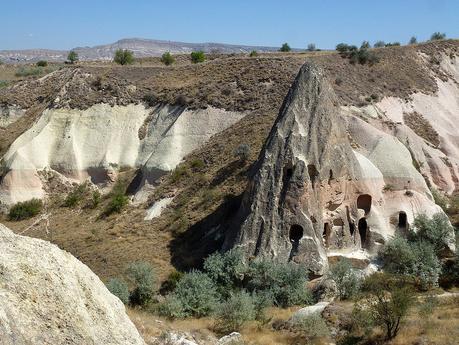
(67, 24)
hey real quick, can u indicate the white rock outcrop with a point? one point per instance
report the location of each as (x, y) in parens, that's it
(94, 143)
(49, 297)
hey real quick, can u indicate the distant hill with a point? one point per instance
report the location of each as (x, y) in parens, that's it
(140, 47)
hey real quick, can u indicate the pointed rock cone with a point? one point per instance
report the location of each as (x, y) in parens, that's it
(281, 214)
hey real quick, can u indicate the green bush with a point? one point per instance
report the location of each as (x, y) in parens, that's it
(142, 276)
(393, 44)
(285, 282)
(226, 270)
(171, 282)
(242, 152)
(365, 45)
(437, 36)
(311, 326)
(72, 56)
(436, 230)
(285, 48)
(167, 59)
(75, 196)
(42, 63)
(197, 293)
(26, 72)
(150, 99)
(234, 312)
(95, 199)
(379, 44)
(385, 302)
(347, 281)
(25, 209)
(172, 308)
(342, 48)
(198, 56)
(124, 57)
(253, 53)
(4, 83)
(119, 288)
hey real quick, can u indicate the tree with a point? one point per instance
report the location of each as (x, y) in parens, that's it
(379, 44)
(413, 40)
(285, 48)
(365, 45)
(342, 48)
(311, 47)
(72, 56)
(198, 56)
(437, 36)
(124, 57)
(167, 59)
(385, 303)
(436, 230)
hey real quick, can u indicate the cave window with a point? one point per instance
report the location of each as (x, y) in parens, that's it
(296, 233)
(363, 231)
(326, 234)
(364, 202)
(352, 228)
(402, 220)
(313, 173)
(330, 177)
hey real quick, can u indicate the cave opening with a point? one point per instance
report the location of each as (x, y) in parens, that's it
(363, 231)
(364, 202)
(352, 228)
(326, 234)
(313, 173)
(296, 234)
(402, 220)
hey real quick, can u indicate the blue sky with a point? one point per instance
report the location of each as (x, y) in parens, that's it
(66, 24)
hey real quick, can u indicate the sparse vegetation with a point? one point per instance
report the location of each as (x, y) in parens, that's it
(142, 276)
(379, 44)
(95, 199)
(242, 152)
(42, 63)
(26, 209)
(150, 99)
(346, 279)
(393, 44)
(119, 288)
(28, 71)
(76, 195)
(117, 201)
(198, 56)
(253, 53)
(388, 187)
(167, 59)
(437, 36)
(124, 57)
(413, 40)
(4, 83)
(365, 45)
(311, 326)
(285, 48)
(72, 57)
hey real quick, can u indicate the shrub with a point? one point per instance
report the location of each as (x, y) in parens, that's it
(142, 277)
(428, 306)
(253, 53)
(311, 47)
(440, 199)
(124, 57)
(393, 44)
(234, 312)
(437, 36)
(388, 187)
(171, 282)
(285, 48)
(167, 59)
(25, 209)
(436, 230)
(365, 45)
(116, 204)
(413, 40)
(342, 48)
(95, 199)
(72, 56)
(119, 288)
(75, 196)
(197, 294)
(172, 308)
(347, 281)
(226, 270)
(198, 56)
(379, 44)
(26, 72)
(4, 83)
(242, 152)
(149, 99)
(42, 63)
(385, 303)
(311, 326)
(285, 282)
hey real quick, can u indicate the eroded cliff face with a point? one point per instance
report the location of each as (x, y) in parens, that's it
(327, 184)
(304, 163)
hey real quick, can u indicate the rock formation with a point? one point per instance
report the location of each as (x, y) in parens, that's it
(48, 297)
(315, 196)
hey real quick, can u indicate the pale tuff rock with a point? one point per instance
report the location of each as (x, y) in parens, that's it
(96, 142)
(10, 114)
(313, 195)
(49, 297)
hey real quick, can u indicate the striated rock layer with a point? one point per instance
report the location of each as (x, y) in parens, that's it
(49, 297)
(314, 196)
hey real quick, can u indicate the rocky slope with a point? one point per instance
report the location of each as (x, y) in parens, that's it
(48, 297)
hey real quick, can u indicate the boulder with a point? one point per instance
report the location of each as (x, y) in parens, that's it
(315, 309)
(47, 296)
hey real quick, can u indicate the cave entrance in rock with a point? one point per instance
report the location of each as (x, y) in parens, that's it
(363, 231)
(402, 220)
(295, 235)
(326, 234)
(313, 173)
(364, 202)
